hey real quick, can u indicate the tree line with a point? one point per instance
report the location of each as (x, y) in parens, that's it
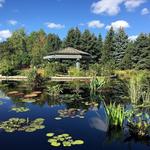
(22, 50)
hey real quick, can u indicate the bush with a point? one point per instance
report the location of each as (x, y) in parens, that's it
(35, 79)
(73, 71)
(53, 69)
(7, 69)
(94, 70)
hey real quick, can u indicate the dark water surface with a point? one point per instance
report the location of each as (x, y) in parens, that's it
(91, 129)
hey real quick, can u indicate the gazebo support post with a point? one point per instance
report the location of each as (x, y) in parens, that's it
(78, 63)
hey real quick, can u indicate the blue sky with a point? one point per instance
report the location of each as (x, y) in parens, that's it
(57, 16)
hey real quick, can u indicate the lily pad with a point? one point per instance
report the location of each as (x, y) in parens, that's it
(20, 109)
(50, 134)
(62, 140)
(55, 144)
(78, 142)
(21, 124)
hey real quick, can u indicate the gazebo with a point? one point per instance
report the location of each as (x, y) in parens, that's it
(69, 53)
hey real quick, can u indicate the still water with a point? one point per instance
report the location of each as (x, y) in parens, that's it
(92, 128)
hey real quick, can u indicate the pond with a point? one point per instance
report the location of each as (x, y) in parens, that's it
(81, 119)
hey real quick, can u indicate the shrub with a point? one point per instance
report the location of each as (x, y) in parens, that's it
(73, 71)
(54, 68)
(7, 69)
(34, 78)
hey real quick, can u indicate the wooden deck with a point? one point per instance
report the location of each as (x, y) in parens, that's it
(70, 78)
(13, 78)
(62, 78)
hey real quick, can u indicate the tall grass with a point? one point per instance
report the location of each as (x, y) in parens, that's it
(115, 114)
(139, 87)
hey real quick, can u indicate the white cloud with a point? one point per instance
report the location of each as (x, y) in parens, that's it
(12, 22)
(52, 25)
(95, 24)
(118, 24)
(132, 4)
(145, 11)
(1, 3)
(132, 37)
(110, 7)
(4, 34)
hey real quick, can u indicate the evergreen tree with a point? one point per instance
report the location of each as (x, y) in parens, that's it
(89, 43)
(142, 47)
(120, 47)
(127, 59)
(53, 43)
(73, 39)
(108, 50)
(99, 48)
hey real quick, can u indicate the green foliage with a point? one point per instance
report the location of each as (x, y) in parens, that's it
(53, 43)
(6, 68)
(96, 83)
(107, 53)
(115, 114)
(54, 90)
(120, 47)
(116, 52)
(73, 71)
(34, 78)
(53, 69)
(141, 52)
(136, 87)
(73, 38)
(138, 124)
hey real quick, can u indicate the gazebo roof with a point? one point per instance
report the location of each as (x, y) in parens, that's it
(68, 53)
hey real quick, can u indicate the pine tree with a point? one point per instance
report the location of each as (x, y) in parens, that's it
(120, 46)
(127, 59)
(99, 48)
(142, 47)
(108, 50)
(53, 43)
(73, 38)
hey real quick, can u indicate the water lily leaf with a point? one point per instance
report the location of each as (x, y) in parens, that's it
(50, 134)
(55, 144)
(52, 140)
(78, 142)
(66, 144)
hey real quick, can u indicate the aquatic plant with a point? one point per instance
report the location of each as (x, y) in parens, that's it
(115, 114)
(136, 86)
(28, 100)
(96, 83)
(91, 105)
(72, 113)
(138, 124)
(54, 90)
(21, 124)
(64, 140)
(68, 98)
(20, 109)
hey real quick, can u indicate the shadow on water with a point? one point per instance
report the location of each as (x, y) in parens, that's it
(92, 127)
